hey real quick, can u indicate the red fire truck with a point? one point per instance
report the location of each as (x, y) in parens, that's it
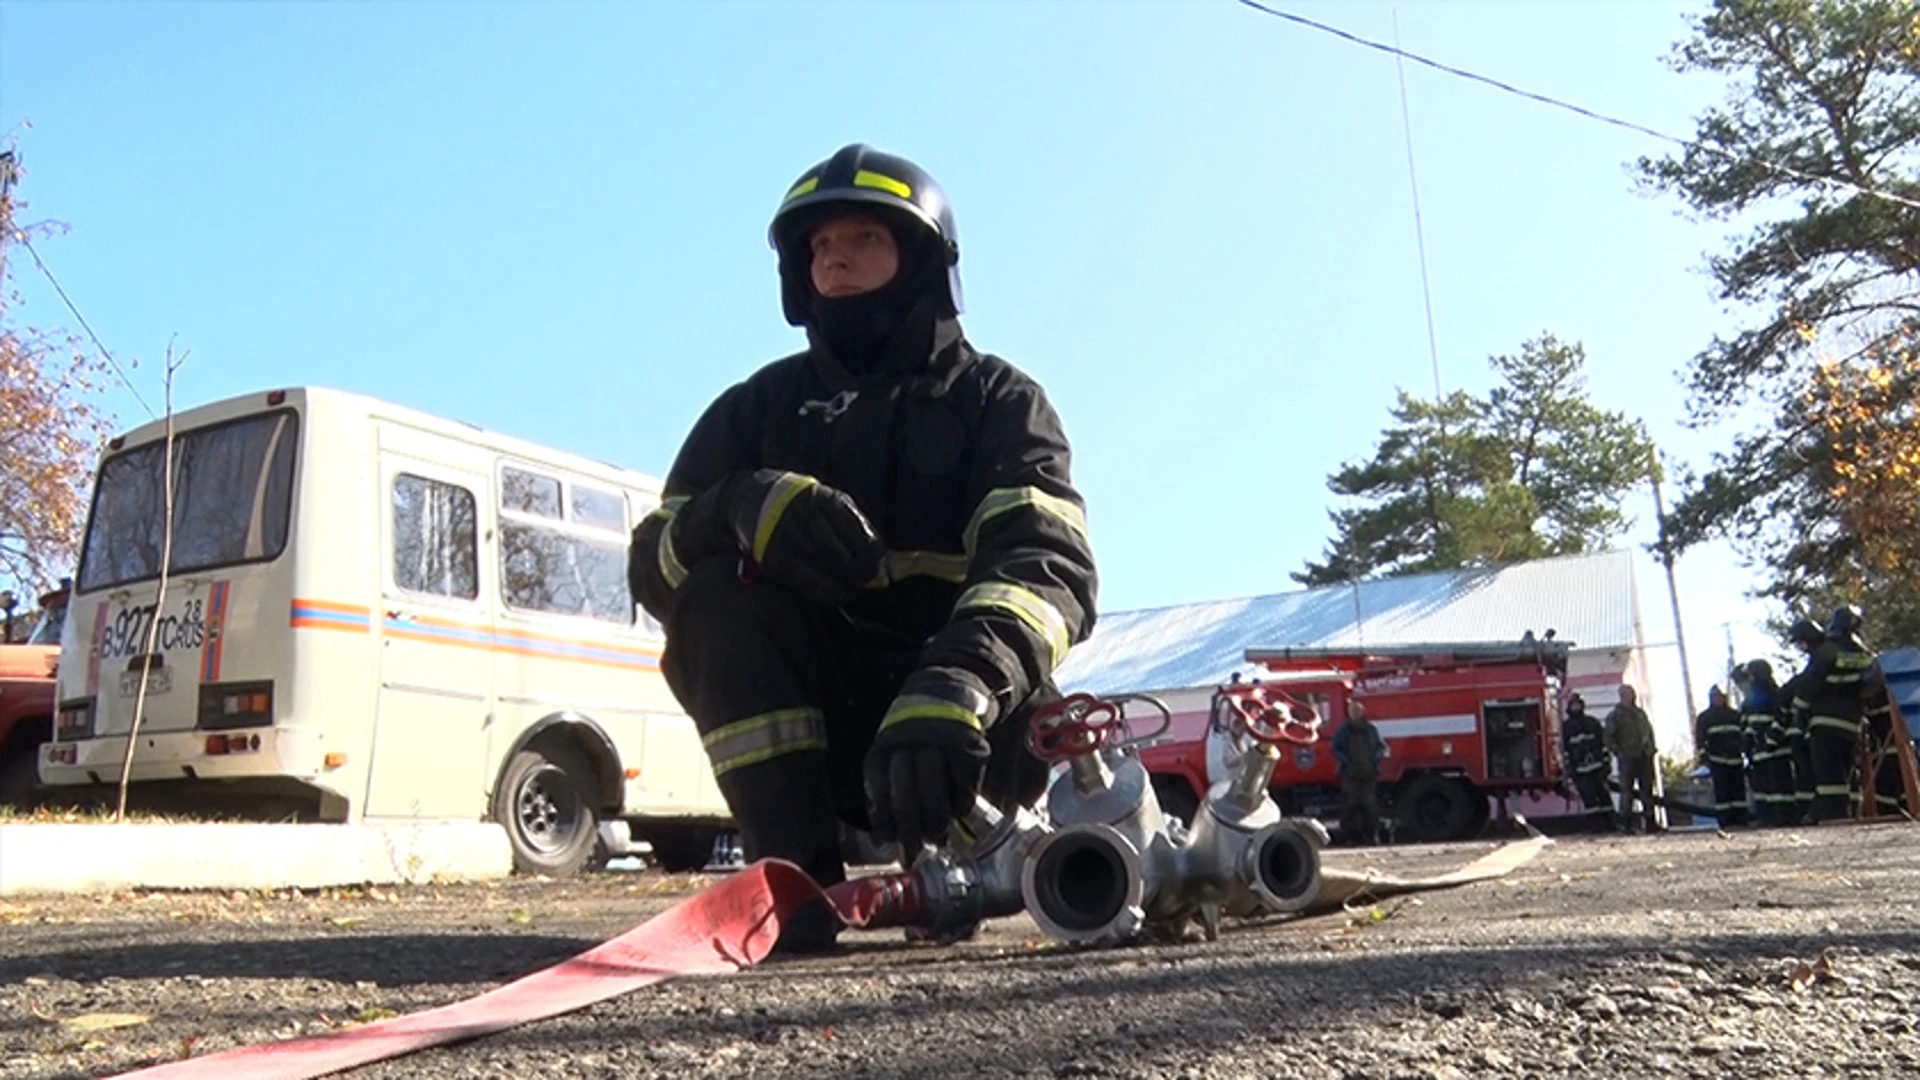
(1463, 723)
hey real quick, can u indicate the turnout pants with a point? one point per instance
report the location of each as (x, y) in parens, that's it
(1803, 783)
(1773, 786)
(1360, 808)
(1592, 785)
(787, 697)
(1636, 782)
(1729, 790)
(1834, 744)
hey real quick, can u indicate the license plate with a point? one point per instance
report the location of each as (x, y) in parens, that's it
(159, 681)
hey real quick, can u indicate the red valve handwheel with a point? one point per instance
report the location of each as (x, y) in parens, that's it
(1272, 716)
(1074, 725)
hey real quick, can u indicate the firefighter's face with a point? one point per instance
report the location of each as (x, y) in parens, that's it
(852, 254)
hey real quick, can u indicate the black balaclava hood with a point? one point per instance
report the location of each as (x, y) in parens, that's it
(891, 329)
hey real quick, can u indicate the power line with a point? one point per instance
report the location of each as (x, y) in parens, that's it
(1419, 227)
(27, 242)
(1629, 125)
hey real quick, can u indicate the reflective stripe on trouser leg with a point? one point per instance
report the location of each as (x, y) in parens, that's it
(764, 737)
(1729, 792)
(1833, 751)
(750, 663)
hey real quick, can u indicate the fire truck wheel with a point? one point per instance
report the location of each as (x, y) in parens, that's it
(1432, 808)
(20, 779)
(545, 802)
(1176, 799)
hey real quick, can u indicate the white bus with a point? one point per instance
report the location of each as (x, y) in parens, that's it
(372, 614)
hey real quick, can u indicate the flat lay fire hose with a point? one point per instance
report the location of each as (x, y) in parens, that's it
(718, 931)
(996, 871)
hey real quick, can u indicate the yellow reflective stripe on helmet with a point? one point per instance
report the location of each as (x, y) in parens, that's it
(1025, 605)
(768, 735)
(802, 188)
(867, 178)
(671, 569)
(784, 490)
(1001, 500)
(923, 707)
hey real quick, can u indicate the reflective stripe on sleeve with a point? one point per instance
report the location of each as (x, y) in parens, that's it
(1001, 500)
(671, 569)
(901, 565)
(768, 735)
(1027, 606)
(925, 707)
(786, 488)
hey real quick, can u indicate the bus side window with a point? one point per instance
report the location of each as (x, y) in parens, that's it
(435, 544)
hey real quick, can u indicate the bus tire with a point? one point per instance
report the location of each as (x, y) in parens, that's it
(545, 802)
(1434, 808)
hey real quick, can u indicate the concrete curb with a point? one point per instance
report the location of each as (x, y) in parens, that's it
(40, 859)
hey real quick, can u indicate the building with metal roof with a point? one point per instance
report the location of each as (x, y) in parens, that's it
(1588, 601)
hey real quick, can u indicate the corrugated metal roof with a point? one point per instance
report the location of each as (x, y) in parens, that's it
(1586, 599)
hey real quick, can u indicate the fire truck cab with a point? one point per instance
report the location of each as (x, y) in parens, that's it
(1464, 724)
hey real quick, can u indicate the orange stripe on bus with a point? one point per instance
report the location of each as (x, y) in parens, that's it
(329, 605)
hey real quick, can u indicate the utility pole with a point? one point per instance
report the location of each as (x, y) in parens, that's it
(1665, 547)
(9, 173)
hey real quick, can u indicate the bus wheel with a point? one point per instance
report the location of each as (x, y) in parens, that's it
(1433, 808)
(544, 802)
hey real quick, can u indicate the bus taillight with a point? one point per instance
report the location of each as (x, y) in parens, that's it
(235, 705)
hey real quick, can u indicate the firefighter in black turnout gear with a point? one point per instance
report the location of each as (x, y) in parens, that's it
(1721, 740)
(1831, 696)
(870, 555)
(1805, 636)
(1767, 747)
(1583, 740)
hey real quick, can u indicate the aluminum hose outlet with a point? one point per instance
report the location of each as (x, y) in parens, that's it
(1086, 885)
(949, 891)
(1283, 866)
(1096, 879)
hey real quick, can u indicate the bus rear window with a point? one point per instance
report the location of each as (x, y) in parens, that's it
(232, 502)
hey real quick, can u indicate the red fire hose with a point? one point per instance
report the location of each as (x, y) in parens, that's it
(718, 931)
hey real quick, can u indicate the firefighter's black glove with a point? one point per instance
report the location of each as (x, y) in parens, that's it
(796, 531)
(806, 536)
(927, 763)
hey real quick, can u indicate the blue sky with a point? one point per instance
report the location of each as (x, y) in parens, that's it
(1192, 222)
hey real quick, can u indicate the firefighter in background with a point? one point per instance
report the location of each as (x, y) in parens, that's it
(1718, 739)
(1358, 749)
(1832, 696)
(1629, 737)
(1767, 749)
(870, 556)
(1806, 637)
(1584, 747)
